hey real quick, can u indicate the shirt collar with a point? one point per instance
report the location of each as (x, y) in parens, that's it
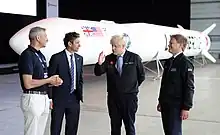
(33, 49)
(175, 55)
(122, 54)
(68, 53)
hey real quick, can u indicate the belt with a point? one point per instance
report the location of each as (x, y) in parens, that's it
(35, 92)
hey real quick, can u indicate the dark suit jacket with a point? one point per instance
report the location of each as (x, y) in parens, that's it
(133, 73)
(59, 65)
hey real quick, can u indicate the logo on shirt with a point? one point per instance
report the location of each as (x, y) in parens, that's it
(127, 40)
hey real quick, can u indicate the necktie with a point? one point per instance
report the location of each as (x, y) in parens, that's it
(72, 73)
(119, 64)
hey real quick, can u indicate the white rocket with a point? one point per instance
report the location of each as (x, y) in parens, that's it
(148, 40)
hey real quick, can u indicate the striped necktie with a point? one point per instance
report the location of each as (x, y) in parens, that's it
(72, 73)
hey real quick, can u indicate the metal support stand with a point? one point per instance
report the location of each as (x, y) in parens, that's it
(158, 73)
(203, 63)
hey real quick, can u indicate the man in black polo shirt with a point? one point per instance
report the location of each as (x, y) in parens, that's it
(34, 82)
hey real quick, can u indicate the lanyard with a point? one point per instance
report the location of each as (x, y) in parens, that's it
(43, 62)
(44, 65)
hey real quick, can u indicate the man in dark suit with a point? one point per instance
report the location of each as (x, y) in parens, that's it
(177, 87)
(66, 98)
(125, 73)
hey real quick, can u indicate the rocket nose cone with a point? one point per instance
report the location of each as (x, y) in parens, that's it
(12, 42)
(19, 41)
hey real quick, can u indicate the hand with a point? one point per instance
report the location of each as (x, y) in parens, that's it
(55, 80)
(101, 58)
(51, 104)
(59, 81)
(184, 114)
(158, 107)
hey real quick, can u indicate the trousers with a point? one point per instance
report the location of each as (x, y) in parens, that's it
(172, 123)
(36, 110)
(122, 108)
(71, 111)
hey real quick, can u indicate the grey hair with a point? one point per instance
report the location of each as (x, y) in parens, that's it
(35, 31)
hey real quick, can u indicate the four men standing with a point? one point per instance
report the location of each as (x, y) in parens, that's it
(125, 73)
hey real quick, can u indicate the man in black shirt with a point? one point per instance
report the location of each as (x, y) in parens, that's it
(125, 73)
(177, 87)
(34, 82)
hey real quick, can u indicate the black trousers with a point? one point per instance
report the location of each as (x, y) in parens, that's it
(71, 111)
(123, 107)
(172, 122)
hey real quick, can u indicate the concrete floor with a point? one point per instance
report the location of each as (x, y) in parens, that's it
(204, 117)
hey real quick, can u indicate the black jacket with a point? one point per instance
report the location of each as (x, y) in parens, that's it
(177, 84)
(133, 73)
(58, 65)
